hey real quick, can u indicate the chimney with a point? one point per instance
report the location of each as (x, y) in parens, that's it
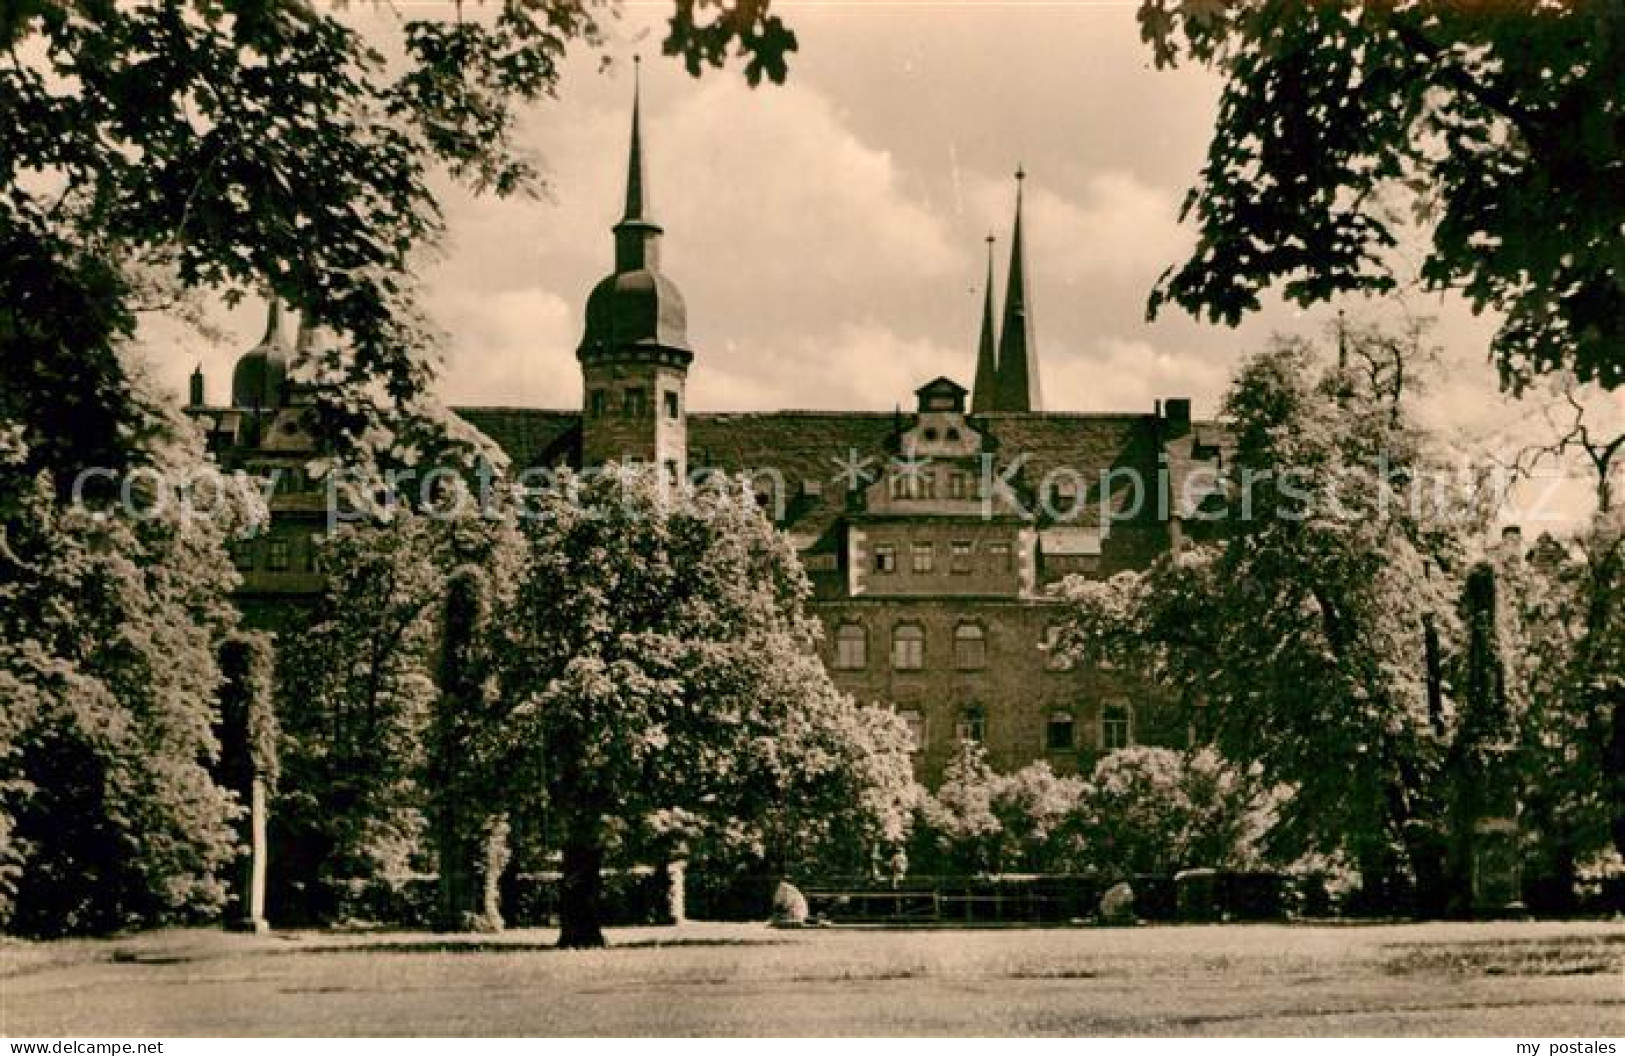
(194, 395)
(1176, 415)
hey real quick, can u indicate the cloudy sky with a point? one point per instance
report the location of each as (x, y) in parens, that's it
(828, 234)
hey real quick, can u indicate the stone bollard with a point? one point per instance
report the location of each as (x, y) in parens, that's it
(677, 892)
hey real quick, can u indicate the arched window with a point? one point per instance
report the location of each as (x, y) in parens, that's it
(970, 647)
(1116, 727)
(851, 647)
(972, 725)
(908, 647)
(1059, 732)
(915, 721)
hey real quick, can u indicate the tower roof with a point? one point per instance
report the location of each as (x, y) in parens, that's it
(637, 200)
(261, 376)
(635, 307)
(984, 391)
(1018, 387)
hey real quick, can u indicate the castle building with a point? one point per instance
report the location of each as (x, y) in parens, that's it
(932, 538)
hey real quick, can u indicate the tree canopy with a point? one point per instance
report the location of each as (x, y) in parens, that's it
(1501, 127)
(665, 682)
(1298, 636)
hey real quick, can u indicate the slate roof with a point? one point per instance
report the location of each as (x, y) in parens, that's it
(806, 449)
(531, 437)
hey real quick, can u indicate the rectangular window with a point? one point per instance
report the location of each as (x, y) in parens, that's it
(999, 556)
(1060, 732)
(924, 559)
(636, 405)
(276, 555)
(851, 648)
(960, 559)
(928, 485)
(956, 485)
(885, 558)
(672, 407)
(908, 648)
(597, 400)
(671, 472)
(1116, 727)
(242, 554)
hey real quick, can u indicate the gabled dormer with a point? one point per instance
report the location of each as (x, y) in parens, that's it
(937, 462)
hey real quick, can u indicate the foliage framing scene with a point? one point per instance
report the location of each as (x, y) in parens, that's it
(693, 672)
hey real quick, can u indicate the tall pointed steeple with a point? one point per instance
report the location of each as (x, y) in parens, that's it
(634, 351)
(1018, 388)
(984, 396)
(637, 236)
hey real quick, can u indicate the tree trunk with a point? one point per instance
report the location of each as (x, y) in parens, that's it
(581, 887)
(1614, 770)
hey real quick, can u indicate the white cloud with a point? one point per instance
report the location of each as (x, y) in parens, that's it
(855, 366)
(1129, 375)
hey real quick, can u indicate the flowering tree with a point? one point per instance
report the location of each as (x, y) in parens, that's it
(661, 665)
(1301, 634)
(1154, 810)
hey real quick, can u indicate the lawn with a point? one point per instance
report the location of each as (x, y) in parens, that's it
(1525, 979)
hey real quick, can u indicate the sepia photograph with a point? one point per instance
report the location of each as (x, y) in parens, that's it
(907, 519)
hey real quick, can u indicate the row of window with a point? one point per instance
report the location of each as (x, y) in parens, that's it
(634, 403)
(908, 647)
(923, 485)
(1060, 729)
(961, 557)
(278, 556)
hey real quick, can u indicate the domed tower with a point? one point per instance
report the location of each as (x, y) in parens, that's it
(260, 380)
(634, 355)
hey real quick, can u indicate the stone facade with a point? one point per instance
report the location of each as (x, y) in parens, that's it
(932, 538)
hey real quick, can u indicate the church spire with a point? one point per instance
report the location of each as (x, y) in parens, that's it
(984, 398)
(635, 201)
(1018, 388)
(637, 236)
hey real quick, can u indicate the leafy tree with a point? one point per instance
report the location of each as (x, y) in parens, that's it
(1563, 735)
(1154, 810)
(108, 625)
(357, 690)
(661, 664)
(469, 828)
(833, 790)
(248, 765)
(1501, 127)
(1034, 808)
(958, 829)
(1299, 634)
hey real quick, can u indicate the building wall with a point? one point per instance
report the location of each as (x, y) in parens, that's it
(1017, 689)
(614, 430)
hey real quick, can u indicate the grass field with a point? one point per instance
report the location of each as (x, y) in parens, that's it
(1523, 979)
